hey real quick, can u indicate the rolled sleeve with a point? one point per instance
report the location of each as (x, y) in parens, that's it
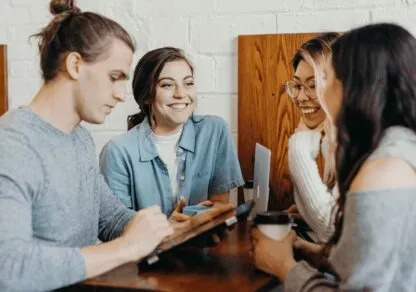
(227, 172)
(303, 277)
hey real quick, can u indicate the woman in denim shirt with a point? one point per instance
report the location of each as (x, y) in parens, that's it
(168, 152)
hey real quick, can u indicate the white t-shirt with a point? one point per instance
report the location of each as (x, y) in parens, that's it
(167, 147)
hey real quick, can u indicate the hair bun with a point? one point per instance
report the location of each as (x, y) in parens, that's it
(60, 6)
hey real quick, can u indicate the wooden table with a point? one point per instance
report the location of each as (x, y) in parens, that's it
(225, 267)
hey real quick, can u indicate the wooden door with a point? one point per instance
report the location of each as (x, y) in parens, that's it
(3, 80)
(266, 113)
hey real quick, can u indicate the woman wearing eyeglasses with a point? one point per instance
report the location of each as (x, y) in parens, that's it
(311, 159)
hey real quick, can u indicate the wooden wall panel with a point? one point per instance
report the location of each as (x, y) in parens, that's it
(3, 80)
(266, 113)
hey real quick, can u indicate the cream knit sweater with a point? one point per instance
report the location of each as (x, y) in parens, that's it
(312, 196)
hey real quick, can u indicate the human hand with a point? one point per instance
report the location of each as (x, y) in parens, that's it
(201, 218)
(146, 230)
(177, 214)
(274, 257)
(293, 211)
(181, 227)
(306, 246)
(309, 251)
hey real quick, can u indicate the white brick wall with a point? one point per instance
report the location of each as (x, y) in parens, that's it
(206, 29)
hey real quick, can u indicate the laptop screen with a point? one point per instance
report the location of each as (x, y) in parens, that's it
(262, 160)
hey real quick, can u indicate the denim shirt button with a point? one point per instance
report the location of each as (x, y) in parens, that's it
(182, 177)
(183, 158)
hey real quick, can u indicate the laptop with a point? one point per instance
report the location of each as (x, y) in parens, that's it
(262, 161)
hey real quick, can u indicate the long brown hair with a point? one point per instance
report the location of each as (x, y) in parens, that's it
(145, 79)
(376, 65)
(90, 34)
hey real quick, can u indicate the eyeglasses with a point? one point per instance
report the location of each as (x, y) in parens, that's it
(293, 89)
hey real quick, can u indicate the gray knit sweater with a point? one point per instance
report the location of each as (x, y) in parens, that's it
(53, 201)
(376, 251)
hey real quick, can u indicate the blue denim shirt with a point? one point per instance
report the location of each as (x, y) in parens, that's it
(208, 165)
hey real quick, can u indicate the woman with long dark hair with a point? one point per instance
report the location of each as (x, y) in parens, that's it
(372, 75)
(170, 157)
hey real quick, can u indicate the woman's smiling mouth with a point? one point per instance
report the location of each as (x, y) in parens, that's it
(309, 110)
(178, 106)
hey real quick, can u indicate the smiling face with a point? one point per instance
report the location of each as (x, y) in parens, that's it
(311, 111)
(175, 98)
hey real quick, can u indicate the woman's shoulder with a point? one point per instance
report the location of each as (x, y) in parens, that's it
(384, 173)
(392, 164)
(125, 142)
(397, 141)
(209, 122)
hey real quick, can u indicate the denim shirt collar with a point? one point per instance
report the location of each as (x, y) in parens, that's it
(147, 148)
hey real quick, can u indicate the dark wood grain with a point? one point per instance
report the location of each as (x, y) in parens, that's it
(266, 114)
(3, 80)
(226, 267)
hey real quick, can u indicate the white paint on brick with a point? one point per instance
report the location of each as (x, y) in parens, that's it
(24, 68)
(169, 32)
(323, 21)
(263, 6)
(26, 3)
(101, 138)
(405, 17)
(17, 15)
(236, 6)
(227, 74)
(235, 138)
(20, 47)
(204, 73)
(224, 106)
(219, 34)
(169, 8)
(3, 33)
(22, 89)
(350, 4)
(40, 13)
(118, 118)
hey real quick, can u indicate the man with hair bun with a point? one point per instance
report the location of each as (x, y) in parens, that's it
(54, 203)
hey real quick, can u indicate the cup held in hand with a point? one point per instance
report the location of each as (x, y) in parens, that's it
(275, 225)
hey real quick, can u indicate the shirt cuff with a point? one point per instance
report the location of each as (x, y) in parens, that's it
(226, 187)
(298, 276)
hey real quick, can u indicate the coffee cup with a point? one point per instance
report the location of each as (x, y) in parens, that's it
(275, 225)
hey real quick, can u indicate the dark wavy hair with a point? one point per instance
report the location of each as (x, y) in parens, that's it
(145, 79)
(376, 65)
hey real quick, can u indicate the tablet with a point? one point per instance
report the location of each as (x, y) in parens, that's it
(216, 225)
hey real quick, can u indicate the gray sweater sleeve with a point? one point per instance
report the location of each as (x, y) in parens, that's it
(114, 215)
(371, 253)
(25, 263)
